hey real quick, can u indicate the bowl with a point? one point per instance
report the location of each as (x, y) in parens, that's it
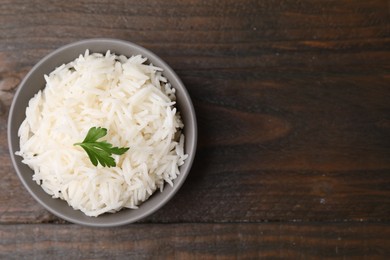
(34, 81)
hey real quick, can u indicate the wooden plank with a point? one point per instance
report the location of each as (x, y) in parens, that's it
(245, 196)
(291, 98)
(284, 175)
(193, 35)
(195, 241)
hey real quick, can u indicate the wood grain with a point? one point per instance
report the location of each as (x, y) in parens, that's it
(292, 100)
(293, 124)
(197, 241)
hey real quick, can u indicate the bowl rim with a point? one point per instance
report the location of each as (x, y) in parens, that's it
(186, 102)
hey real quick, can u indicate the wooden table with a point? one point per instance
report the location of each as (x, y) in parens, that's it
(293, 105)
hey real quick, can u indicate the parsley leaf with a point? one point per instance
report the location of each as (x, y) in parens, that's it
(100, 152)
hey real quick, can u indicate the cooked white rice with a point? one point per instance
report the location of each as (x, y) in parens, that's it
(134, 102)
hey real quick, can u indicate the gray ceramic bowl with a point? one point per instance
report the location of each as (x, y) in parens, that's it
(34, 81)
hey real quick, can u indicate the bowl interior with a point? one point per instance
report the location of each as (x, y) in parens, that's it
(34, 81)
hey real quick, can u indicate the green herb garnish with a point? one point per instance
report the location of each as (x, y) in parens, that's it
(100, 152)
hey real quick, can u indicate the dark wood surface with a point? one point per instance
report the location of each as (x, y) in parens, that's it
(293, 105)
